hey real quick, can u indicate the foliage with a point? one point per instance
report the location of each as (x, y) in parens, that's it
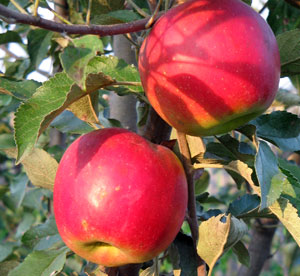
(258, 161)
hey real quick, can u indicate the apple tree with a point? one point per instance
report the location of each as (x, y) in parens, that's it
(113, 67)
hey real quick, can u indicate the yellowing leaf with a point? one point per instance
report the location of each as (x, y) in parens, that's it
(148, 271)
(288, 216)
(213, 235)
(39, 165)
(237, 166)
(176, 272)
(196, 144)
(86, 108)
(217, 235)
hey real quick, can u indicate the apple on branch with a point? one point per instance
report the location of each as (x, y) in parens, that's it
(118, 198)
(210, 66)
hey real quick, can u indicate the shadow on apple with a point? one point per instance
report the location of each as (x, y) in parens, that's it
(208, 67)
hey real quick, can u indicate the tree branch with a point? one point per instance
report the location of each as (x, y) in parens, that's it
(13, 17)
(187, 164)
(259, 246)
(192, 214)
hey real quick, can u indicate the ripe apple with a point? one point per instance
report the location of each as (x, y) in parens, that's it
(210, 66)
(118, 198)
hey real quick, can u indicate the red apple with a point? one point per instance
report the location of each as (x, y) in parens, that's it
(118, 198)
(210, 66)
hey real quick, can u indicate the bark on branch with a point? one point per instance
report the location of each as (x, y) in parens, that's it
(13, 17)
(260, 246)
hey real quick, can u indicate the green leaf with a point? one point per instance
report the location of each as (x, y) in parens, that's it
(287, 98)
(38, 45)
(288, 216)
(230, 148)
(5, 100)
(32, 199)
(41, 263)
(289, 144)
(5, 250)
(280, 128)
(120, 71)
(291, 186)
(115, 17)
(269, 177)
(4, 2)
(296, 83)
(249, 2)
(27, 221)
(291, 168)
(142, 110)
(10, 36)
(105, 6)
(124, 15)
(39, 165)
(142, 4)
(56, 94)
(237, 149)
(41, 236)
(188, 258)
(7, 266)
(278, 124)
(282, 16)
(238, 179)
(289, 45)
(240, 250)
(66, 122)
(238, 229)
(201, 184)
(17, 189)
(17, 69)
(21, 90)
(244, 205)
(34, 116)
(74, 59)
(7, 141)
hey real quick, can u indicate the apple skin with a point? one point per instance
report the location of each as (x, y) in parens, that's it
(210, 66)
(118, 198)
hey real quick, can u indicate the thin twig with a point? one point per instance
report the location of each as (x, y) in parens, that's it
(88, 14)
(94, 126)
(18, 7)
(167, 4)
(263, 8)
(44, 73)
(8, 52)
(130, 39)
(131, 83)
(151, 20)
(60, 17)
(102, 30)
(138, 9)
(152, 4)
(36, 6)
